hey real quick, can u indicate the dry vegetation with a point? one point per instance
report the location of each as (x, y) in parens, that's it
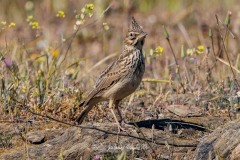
(52, 51)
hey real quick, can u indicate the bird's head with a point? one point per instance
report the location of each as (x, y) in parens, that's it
(135, 36)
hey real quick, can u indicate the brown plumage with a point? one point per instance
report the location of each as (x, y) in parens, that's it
(121, 77)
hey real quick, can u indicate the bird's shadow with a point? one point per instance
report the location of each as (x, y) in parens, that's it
(171, 124)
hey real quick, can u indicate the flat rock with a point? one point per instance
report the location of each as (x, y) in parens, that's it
(35, 137)
(222, 143)
(76, 143)
(184, 110)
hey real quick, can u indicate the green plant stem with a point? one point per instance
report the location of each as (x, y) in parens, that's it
(225, 50)
(178, 68)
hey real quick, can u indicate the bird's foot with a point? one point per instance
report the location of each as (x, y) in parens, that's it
(123, 126)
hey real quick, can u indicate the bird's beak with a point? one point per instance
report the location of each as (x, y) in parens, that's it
(142, 35)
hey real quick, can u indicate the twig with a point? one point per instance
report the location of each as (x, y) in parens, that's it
(176, 62)
(156, 80)
(212, 42)
(224, 47)
(226, 63)
(185, 34)
(102, 61)
(226, 26)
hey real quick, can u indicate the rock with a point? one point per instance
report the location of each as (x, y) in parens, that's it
(70, 144)
(222, 143)
(184, 111)
(235, 153)
(35, 137)
(76, 143)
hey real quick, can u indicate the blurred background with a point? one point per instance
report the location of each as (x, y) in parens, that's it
(67, 43)
(187, 22)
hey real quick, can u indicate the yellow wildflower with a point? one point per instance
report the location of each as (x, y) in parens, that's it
(41, 59)
(159, 49)
(29, 18)
(82, 16)
(88, 9)
(105, 26)
(71, 71)
(90, 6)
(12, 24)
(55, 53)
(201, 48)
(79, 22)
(190, 51)
(24, 89)
(61, 14)
(3, 23)
(34, 25)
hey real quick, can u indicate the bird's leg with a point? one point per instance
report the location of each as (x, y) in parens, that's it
(114, 115)
(123, 124)
(119, 112)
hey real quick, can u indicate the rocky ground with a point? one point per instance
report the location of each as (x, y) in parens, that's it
(189, 133)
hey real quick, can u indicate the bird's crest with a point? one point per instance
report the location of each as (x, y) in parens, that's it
(134, 26)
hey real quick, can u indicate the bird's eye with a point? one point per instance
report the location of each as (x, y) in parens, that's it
(131, 34)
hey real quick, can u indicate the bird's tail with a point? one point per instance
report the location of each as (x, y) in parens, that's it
(90, 103)
(84, 114)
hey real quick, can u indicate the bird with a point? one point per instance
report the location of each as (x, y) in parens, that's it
(122, 77)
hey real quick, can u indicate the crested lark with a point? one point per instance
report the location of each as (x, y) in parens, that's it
(122, 77)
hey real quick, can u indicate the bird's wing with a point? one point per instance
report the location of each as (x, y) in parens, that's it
(111, 75)
(105, 73)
